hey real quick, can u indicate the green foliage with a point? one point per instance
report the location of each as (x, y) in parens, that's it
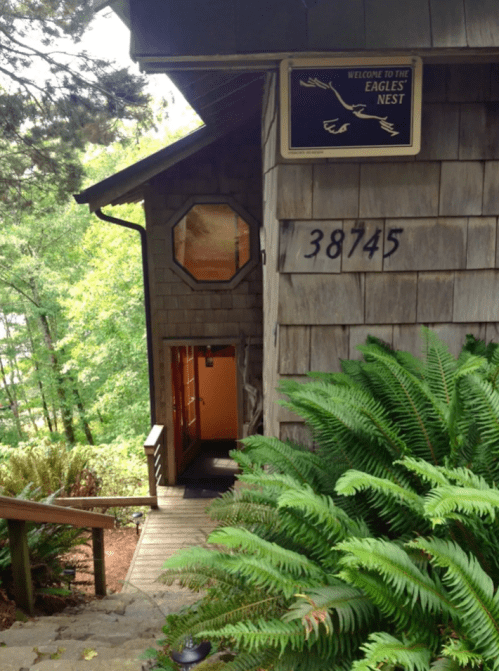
(379, 550)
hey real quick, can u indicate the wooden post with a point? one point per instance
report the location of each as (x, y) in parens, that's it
(21, 571)
(150, 470)
(99, 566)
(164, 461)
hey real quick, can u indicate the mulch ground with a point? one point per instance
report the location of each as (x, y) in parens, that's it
(119, 546)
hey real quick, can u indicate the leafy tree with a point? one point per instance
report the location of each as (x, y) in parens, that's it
(377, 550)
(53, 99)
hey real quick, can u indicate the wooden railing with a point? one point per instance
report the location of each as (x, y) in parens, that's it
(18, 512)
(155, 449)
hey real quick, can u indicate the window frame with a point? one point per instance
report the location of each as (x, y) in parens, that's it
(213, 285)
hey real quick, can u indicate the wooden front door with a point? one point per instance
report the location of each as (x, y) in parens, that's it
(185, 383)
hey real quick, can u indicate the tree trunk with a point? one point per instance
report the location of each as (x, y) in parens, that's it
(38, 376)
(12, 397)
(83, 418)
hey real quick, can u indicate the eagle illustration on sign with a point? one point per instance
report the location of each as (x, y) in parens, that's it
(356, 109)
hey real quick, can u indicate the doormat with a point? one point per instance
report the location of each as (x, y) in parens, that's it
(209, 488)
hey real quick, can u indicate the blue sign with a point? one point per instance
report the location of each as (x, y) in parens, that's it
(356, 108)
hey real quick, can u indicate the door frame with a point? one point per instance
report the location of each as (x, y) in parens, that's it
(168, 343)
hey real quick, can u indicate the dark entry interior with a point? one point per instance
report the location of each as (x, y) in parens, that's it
(205, 416)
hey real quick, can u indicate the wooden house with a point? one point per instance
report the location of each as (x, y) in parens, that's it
(331, 240)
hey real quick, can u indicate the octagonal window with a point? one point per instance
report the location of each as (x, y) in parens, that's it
(212, 242)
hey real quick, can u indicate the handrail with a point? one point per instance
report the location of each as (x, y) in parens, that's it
(106, 501)
(155, 450)
(17, 512)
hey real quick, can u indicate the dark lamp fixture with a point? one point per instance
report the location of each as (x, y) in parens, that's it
(208, 362)
(191, 654)
(69, 575)
(136, 518)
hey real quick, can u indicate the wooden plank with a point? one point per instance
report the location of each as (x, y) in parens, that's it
(475, 296)
(285, 414)
(328, 344)
(358, 336)
(427, 244)
(270, 26)
(435, 297)
(399, 190)
(149, 37)
(479, 132)
(481, 242)
(461, 187)
(104, 501)
(468, 82)
(303, 247)
(454, 335)
(408, 339)
(355, 257)
(98, 557)
(321, 299)
(335, 191)
(391, 298)
(482, 23)
(435, 83)
(155, 435)
(294, 186)
(296, 432)
(31, 511)
(490, 190)
(390, 23)
(21, 570)
(341, 25)
(294, 350)
(440, 132)
(448, 28)
(492, 332)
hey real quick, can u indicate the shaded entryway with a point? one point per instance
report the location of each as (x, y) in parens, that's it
(212, 472)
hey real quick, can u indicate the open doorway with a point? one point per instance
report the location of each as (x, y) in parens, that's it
(205, 418)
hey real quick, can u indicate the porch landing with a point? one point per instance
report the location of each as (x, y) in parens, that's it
(177, 523)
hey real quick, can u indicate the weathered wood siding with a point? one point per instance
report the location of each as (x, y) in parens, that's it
(228, 167)
(173, 28)
(325, 296)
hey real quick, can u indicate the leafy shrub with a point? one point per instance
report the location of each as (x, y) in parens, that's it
(380, 549)
(50, 468)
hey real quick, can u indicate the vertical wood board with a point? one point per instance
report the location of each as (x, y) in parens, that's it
(482, 23)
(391, 298)
(399, 190)
(427, 244)
(448, 27)
(303, 247)
(328, 344)
(468, 82)
(461, 188)
(481, 242)
(435, 297)
(335, 191)
(479, 132)
(321, 299)
(294, 188)
(476, 296)
(359, 253)
(297, 433)
(390, 23)
(490, 188)
(358, 336)
(270, 26)
(439, 132)
(408, 339)
(454, 335)
(294, 350)
(340, 24)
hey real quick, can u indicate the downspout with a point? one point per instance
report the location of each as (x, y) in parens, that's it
(147, 300)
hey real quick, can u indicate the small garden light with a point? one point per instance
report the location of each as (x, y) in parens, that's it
(136, 517)
(69, 575)
(191, 654)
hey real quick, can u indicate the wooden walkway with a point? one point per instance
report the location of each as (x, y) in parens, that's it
(178, 523)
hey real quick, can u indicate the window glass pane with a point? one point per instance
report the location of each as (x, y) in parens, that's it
(212, 242)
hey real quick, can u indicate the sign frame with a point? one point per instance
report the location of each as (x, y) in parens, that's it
(352, 112)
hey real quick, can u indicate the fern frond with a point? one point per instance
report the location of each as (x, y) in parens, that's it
(397, 569)
(482, 403)
(352, 609)
(261, 634)
(252, 661)
(427, 472)
(286, 560)
(441, 502)
(384, 649)
(458, 653)
(352, 482)
(440, 367)
(471, 589)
